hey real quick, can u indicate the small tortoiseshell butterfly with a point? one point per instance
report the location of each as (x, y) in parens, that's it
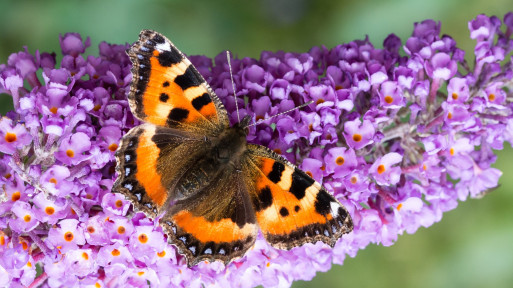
(215, 189)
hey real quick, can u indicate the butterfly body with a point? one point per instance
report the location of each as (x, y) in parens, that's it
(214, 190)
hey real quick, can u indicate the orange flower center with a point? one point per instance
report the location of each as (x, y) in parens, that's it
(389, 99)
(309, 173)
(140, 273)
(143, 238)
(49, 210)
(121, 230)
(119, 203)
(340, 160)
(90, 229)
(354, 180)
(68, 236)
(449, 115)
(491, 97)
(454, 96)
(319, 101)
(53, 110)
(97, 107)
(27, 218)
(381, 169)
(70, 153)
(277, 150)
(451, 151)
(115, 252)
(85, 256)
(113, 147)
(53, 180)
(10, 137)
(399, 206)
(16, 196)
(357, 137)
(162, 253)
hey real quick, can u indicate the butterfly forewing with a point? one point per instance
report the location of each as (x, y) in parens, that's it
(291, 208)
(167, 90)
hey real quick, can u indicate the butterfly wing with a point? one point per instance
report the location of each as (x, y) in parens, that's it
(150, 161)
(218, 223)
(291, 208)
(167, 90)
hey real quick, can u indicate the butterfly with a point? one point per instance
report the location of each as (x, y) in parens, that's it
(212, 190)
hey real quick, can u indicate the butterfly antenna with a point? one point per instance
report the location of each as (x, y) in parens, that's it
(233, 85)
(284, 112)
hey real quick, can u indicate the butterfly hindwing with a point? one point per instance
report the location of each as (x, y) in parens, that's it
(217, 223)
(291, 208)
(167, 90)
(145, 158)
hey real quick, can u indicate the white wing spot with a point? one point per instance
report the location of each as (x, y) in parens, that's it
(163, 46)
(334, 209)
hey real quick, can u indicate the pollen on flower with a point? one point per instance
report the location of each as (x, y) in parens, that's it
(454, 96)
(121, 230)
(491, 97)
(161, 253)
(143, 238)
(70, 153)
(309, 173)
(53, 110)
(90, 229)
(85, 256)
(340, 160)
(119, 203)
(49, 210)
(357, 137)
(10, 137)
(354, 179)
(113, 147)
(16, 196)
(68, 236)
(27, 218)
(399, 206)
(53, 180)
(115, 252)
(389, 99)
(381, 169)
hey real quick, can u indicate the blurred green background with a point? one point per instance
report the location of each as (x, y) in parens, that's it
(471, 247)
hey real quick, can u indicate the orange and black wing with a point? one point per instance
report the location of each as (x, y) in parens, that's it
(150, 161)
(291, 208)
(216, 224)
(167, 90)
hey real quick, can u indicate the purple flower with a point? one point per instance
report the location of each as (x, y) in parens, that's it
(383, 170)
(358, 134)
(12, 137)
(67, 236)
(441, 66)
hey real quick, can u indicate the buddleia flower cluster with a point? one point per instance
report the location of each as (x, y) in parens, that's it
(397, 134)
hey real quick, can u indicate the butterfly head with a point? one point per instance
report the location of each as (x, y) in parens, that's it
(244, 124)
